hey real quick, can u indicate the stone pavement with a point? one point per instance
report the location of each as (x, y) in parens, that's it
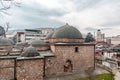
(117, 73)
(73, 76)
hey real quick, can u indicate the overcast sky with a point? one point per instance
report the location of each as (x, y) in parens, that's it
(86, 15)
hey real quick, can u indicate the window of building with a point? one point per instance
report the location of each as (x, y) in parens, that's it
(1, 49)
(76, 49)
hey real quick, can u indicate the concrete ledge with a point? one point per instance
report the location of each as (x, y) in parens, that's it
(30, 58)
(8, 57)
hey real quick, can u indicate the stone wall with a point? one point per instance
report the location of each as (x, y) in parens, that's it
(54, 40)
(42, 48)
(21, 68)
(15, 53)
(30, 69)
(7, 69)
(52, 47)
(3, 52)
(81, 60)
(7, 48)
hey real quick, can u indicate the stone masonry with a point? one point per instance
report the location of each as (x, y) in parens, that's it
(81, 60)
(30, 69)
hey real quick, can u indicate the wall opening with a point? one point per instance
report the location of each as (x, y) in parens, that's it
(76, 49)
(68, 67)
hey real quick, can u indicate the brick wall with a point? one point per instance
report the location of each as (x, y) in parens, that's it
(14, 53)
(81, 60)
(41, 48)
(24, 69)
(30, 69)
(3, 52)
(65, 40)
(6, 69)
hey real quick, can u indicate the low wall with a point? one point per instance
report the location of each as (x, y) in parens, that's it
(30, 69)
(7, 68)
(13, 68)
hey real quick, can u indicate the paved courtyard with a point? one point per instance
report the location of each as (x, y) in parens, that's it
(73, 76)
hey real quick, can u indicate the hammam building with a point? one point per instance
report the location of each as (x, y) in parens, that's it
(64, 51)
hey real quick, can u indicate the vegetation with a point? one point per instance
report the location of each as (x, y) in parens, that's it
(118, 68)
(89, 38)
(100, 77)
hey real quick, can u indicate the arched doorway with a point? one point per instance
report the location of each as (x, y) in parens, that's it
(68, 67)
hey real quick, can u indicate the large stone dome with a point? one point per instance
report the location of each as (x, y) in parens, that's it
(5, 42)
(68, 32)
(30, 52)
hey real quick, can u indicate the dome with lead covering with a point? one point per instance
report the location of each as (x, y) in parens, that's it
(5, 42)
(30, 52)
(38, 43)
(49, 35)
(68, 32)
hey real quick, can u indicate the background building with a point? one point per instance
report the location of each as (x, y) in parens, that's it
(36, 34)
(28, 35)
(115, 40)
(100, 36)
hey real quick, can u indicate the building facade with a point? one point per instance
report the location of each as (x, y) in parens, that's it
(63, 52)
(100, 36)
(36, 34)
(115, 40)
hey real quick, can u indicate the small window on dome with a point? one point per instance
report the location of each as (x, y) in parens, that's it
(76, 49)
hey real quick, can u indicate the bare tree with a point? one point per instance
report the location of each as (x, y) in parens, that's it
(7, 27)
(7, 4)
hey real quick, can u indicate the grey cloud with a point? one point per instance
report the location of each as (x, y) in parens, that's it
(85, 4)
(42, 11)
(95, 29)
(90, 29)
(111, 24)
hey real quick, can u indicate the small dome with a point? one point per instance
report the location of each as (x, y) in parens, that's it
(11, 41)
(49, 35)
(30, 52)
(38, 43)
(67, 31)
(5, 42)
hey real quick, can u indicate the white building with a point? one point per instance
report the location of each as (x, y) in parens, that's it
(115, 40)
(100, 36)
(28, 35)
(34, 34)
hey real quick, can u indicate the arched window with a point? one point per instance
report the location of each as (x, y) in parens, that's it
(68, 67)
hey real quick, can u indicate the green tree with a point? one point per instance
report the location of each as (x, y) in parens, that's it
(89, 38)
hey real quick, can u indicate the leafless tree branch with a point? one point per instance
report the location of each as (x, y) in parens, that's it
(11, 3)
